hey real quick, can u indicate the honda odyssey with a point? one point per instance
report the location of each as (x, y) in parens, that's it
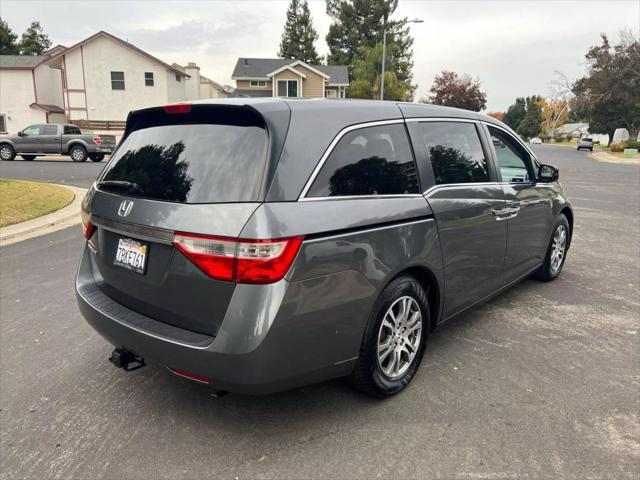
(256, 245)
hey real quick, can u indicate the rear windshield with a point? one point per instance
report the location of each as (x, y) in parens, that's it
(192, 163)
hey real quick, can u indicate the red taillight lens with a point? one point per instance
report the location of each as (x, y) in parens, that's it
(239, 260)
(177, 108)
(97, 140)
(88, 228)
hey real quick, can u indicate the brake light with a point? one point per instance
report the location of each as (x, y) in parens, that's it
(239, 260)
(97, 140)
(88, 228)
(177, 108)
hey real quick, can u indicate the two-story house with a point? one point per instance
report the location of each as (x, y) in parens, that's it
(94, 83)
(281, 77)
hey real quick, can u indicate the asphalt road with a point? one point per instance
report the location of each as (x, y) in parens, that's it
(56, 170)
(542, 382)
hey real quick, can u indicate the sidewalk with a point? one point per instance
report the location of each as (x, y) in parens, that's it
(609, 158)
(63, 218)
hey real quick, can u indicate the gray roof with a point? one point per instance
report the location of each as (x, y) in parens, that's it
(20, 61)
(260, 67)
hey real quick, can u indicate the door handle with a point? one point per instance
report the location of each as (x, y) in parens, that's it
(505, 213)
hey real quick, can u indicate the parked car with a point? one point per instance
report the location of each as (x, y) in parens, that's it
(585, 143)
(256, 245)
(56, 139)
(535, 141)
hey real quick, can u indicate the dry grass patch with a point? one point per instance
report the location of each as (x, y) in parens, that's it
(21, 201)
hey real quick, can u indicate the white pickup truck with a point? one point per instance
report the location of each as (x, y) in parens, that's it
(56, 139)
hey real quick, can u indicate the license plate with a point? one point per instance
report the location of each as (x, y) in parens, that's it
(131, 255)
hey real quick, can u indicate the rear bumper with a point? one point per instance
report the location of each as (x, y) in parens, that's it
(271, 339)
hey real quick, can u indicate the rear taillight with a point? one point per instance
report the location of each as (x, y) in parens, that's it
(88, 228)
(97, 140)
(239, 260)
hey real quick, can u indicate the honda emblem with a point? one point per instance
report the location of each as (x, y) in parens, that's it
(125, 208)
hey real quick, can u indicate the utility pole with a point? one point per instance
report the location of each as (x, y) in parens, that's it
(384, 53)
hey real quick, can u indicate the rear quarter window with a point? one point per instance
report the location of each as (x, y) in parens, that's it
(193, 162)
(368, 161)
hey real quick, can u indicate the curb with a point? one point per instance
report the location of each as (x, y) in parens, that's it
(606, 157)
(52, 222)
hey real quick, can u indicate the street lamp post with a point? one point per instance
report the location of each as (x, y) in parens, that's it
(384, 53)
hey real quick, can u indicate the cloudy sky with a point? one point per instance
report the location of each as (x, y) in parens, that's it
(513, 47)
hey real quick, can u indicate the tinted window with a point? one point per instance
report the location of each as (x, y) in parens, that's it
(117, 80)
(455, 152)
(71, 130)
(198, 163)
(148, 79)
(50, 129)
(511, 157)
(33, 130)
(368, 161)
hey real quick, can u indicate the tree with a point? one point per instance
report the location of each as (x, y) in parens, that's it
(531, 124)
(515, 113)
(497, 115)
(34, 41)
(360, 23)
(8, 45)
(454, 91)
(608, 95)
(555, 113)
(367, 74)
(299, 36)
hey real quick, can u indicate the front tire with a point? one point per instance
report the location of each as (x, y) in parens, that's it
(394, 339)
(7, 152)
(28, 157)
(96, 157)
(556, 251)
(78, 153)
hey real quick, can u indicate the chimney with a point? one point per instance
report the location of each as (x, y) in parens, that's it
(246, 61)
(192, 65)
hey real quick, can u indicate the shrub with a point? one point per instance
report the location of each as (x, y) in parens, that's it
(632, 144)
(617, 147)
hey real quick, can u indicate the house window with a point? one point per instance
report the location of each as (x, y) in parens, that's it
(117, 80)
(287, 88)
(178, 78)
(148, 79)
(258, 83)
(330, 93)
(3, 123)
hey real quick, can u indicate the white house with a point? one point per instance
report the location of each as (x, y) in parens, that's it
(94, 83)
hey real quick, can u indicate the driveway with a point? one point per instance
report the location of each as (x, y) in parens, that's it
(542, 382)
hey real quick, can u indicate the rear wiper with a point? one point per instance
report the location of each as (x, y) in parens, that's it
(123, 184)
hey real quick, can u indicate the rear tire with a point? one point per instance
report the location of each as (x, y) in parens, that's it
(556, 251)
(28, 157)
(78, 153)
(7, 152)
(394, 339)
(96, 157)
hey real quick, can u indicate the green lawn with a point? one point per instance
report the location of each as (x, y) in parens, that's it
(21, 201)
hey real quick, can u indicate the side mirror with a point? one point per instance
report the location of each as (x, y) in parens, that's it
(548, 174)
(21, 134)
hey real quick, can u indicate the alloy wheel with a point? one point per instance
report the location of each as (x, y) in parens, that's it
(399, 337)
(5, 153)
(558, 248)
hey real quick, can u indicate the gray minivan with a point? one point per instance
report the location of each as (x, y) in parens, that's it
(255, 245)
